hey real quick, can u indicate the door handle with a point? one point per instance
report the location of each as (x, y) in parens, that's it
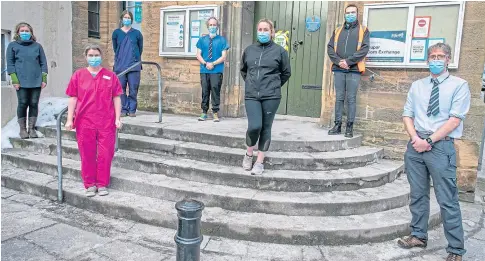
(296, 44)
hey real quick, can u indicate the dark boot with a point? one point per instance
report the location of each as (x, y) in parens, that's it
(349, 131)
(32, 132)
(337, 129)
(23, 128)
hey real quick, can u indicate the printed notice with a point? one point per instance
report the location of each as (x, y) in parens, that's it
(195, 28)
(422, 25)
(205, 14)
(418, 50)
(175, 31)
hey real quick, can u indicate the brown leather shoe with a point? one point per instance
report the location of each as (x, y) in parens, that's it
(411, 241)
(454, 257)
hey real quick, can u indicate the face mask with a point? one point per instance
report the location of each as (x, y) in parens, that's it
(350, 18)
(212, 29)
(263, 37)
(94, 61)
(126, 21)
(436, 66)
(24, 36)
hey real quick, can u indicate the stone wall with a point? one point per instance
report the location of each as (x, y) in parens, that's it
(380, 103)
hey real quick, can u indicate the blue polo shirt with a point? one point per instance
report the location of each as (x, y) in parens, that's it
(219, 44)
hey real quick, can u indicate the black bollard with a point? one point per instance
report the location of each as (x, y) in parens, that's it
(189, 236)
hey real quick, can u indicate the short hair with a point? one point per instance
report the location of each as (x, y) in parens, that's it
(266, 20)
(92, 47)
(16, 36)
(352, 5)
(210, 18)
(446, 48)
(126, 12)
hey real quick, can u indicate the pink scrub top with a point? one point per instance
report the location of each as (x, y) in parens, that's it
(95, 106)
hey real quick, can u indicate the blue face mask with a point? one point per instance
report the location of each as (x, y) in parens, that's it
(350, 18)
(212, 29)
(436, 66)
(263, 37)
(94, 61)
(126, 21)
(24, 36)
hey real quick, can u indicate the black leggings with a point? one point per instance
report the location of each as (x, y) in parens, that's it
(28, 98)
(260, 119)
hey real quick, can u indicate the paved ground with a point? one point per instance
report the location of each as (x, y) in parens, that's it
(37, 229)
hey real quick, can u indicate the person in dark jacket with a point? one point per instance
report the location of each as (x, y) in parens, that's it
(128, 47)
(27, 67)
(265, 68)
(347, 54)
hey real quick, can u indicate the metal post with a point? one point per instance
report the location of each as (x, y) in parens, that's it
(116, 141)
(59, 155)
(189, 236)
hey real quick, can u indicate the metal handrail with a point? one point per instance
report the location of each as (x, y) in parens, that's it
(59, 118)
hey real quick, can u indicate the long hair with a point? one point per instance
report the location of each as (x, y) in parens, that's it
(124, 13)
(16, 36)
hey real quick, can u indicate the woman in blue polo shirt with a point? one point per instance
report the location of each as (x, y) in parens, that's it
(128, 47)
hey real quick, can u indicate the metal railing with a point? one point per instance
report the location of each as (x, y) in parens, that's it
(59, 123)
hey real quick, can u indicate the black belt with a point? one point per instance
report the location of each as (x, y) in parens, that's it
(426, 135)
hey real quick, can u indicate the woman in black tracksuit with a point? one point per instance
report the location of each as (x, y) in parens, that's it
(266, 67)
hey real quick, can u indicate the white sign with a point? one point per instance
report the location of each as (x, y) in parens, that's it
(205, 14)
(387, 47)
(418, 50)
(175, 31)
(421, 26)
(193, 44)
(433, 41)
(195, 28)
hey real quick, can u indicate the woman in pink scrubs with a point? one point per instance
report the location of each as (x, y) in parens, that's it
(94, 110)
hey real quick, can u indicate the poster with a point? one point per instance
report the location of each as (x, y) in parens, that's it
(387, 46)
(175, 31)
(433, 41)
(421, 27)
(195, 28)
(419, 50)
(205, 14)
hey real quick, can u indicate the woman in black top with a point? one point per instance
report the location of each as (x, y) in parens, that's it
(27, 67)
(266, 67)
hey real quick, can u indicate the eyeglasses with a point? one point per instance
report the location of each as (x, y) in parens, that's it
(437, 57)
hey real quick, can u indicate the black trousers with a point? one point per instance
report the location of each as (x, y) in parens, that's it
(28, 98)
(211, 87)
(260, 120)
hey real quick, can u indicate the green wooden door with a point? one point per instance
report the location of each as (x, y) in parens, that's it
(302, 95)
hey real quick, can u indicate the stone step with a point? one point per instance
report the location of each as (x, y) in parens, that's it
(369, 176)
(350, 158)
(337, 203)
(258, 227)
(287, 134)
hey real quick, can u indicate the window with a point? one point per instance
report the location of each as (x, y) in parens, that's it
(5, 42)
(93, 19)
(402, 32)
(181, 27)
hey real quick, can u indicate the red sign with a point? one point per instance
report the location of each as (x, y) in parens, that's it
(421, 26)
(422, 23)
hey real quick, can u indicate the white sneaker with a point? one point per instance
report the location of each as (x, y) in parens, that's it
(91, 191)
(103, 191)
(247, 162)
(258, 169)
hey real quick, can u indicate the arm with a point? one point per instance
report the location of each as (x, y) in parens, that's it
(140, 44)
(117, 105)
(71, 107)
(11, 60)
(285, 68)
(244, 67)
(362, 52)
(459, 108)
(331, 51)
(43, 65)
(199, 57)
(114, 41)
(222, 59)
(408, 115)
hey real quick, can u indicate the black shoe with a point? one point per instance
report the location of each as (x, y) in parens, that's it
(349, 131)
(337, 129)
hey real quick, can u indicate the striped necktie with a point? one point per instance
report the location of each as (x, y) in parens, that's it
(434, 100)
(210, 49)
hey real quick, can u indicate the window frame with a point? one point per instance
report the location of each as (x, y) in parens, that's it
(91, 33)
(409, 31)
(6, 41)
(187, 9)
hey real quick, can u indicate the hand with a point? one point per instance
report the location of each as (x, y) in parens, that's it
(16, 86)
(343, 64)
(118, 124)
(68, 125)
(43, 85)
(421, 145)
(209, 66)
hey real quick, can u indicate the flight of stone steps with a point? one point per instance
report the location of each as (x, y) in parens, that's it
(316, 189)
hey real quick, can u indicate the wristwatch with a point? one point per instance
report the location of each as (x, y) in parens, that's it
(430, 141)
